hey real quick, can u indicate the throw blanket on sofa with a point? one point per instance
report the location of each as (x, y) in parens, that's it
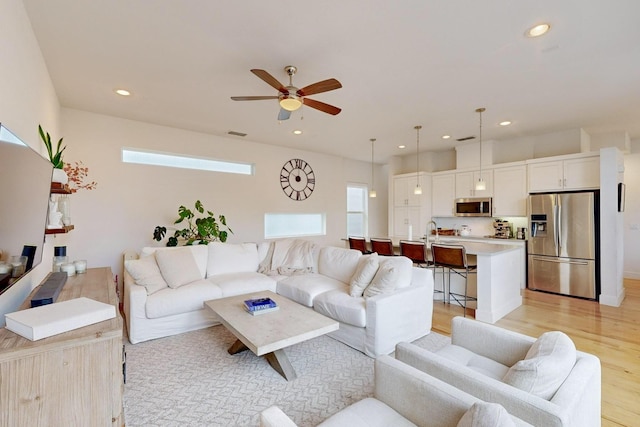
(288, 257)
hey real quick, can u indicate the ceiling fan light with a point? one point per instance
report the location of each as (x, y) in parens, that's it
(290, 104)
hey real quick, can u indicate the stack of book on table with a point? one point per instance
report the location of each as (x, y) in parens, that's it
(257, 306)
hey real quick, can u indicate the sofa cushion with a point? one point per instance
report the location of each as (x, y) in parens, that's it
(365, 272)
(484, 365)
(485, 414)
(200, 254)
(368, 412)
(390, 274)
(304, 288)
(231, 258)
(342, 307)
(403, 265)
(338, 263)
(547, 364)
(178, 267)
(242, 283)
(184, 299)
(145, 272)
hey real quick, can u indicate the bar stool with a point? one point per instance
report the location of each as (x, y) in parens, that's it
(454, 258)
(358, 243)
(382, 246)
(416, 252)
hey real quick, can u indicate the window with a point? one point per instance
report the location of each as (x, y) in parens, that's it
(294, 225)
(144, 157)
(357, 210)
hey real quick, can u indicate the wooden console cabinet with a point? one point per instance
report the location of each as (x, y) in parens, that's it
(70, 379)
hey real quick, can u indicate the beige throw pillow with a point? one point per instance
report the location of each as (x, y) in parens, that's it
(384, 282)
(178, 266)
(365, 272)
(485, 414)
(145, 272)
(547, 364)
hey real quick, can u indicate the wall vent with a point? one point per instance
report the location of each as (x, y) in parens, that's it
(466, 138)
(234, 133)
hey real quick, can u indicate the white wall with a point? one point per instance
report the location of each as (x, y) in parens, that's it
(27, 99)
(130, 199)
(631, 227)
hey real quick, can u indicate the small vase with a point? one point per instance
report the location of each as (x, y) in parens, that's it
(59, 175)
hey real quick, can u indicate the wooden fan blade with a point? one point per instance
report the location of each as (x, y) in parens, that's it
(284, 114)
(252, 98)
(319, 87)
(270, 80)
(326, 108)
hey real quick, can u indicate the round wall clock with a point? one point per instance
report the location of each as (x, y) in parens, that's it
(297, 179)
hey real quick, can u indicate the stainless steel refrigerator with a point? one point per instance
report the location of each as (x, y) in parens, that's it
(563, 246)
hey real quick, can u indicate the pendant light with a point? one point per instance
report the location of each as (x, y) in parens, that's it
(418, 189)
(372, 192)
(480, 185)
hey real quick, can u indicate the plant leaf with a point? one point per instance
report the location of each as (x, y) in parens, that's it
(159, 233)
(199, 206)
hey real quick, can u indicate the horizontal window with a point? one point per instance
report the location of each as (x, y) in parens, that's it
(185, 162)
(294, 225)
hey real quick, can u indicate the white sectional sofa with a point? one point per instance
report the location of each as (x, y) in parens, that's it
(165, 288)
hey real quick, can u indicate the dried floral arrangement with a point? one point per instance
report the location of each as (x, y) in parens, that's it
(77, 174)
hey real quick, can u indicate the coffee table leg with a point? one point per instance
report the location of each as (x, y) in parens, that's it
(237, 347)
(280, 362)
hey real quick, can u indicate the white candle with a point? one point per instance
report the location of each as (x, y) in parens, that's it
(69, 268)
(4, 268)
(410, 232)
(81, 266)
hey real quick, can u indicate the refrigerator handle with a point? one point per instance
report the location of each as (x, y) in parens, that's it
(559, 226)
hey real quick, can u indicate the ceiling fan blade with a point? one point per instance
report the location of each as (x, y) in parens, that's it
(252, 98)
(319, 87)
(270, 80)
(284, 114)
(326, 108)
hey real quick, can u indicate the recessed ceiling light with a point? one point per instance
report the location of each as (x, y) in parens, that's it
(505, 123)
(402, 146)
(446, 136)
(538, 30)
(297, 132)
(123, 92)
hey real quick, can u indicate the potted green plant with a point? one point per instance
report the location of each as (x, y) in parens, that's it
(59, 175)
(199, 230)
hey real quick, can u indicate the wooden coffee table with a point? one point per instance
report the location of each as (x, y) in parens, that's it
(268, 334)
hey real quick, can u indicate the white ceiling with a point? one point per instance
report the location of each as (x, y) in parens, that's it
(401, 63)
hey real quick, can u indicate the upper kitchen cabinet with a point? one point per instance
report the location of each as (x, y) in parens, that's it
(410, 211)
(510, 191)
(466, 184)
(443, 193)
(580, 173)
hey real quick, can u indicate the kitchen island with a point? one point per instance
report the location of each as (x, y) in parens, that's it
(499, 279)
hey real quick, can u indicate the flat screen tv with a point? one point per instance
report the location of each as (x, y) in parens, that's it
(25, 184)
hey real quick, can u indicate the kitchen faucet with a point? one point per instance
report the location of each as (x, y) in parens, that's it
(429, 228)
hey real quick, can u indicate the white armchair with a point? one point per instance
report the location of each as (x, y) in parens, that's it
(480, 361)
(405, 396)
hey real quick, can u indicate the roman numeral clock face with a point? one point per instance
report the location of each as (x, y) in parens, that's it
(297, 179)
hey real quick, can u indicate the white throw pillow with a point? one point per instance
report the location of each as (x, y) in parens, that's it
(145, 272)
(338, 263)
(232, 258)
(384, 282)
(178, 266)
(365, 272)
(547, 364)
(403, 265)
(200, 253)
(485, 414)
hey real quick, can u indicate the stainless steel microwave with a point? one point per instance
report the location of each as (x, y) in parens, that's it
(476, 206)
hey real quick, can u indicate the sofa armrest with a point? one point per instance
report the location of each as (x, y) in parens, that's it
(523, 405)
(403, 315)
(274, 417)
(501, 345)
(135, 300)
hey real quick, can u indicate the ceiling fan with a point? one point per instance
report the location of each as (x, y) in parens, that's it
(290, 97)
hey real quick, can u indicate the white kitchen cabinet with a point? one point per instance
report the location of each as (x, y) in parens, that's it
(443, 194)
(510, 191)
(563, 175)
(410, 209)
(466, 184)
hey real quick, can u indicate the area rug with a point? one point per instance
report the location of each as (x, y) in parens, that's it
(191, 380)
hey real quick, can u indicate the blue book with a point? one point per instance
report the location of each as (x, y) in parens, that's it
(256, 304)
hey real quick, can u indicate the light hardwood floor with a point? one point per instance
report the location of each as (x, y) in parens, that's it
(611, 333)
